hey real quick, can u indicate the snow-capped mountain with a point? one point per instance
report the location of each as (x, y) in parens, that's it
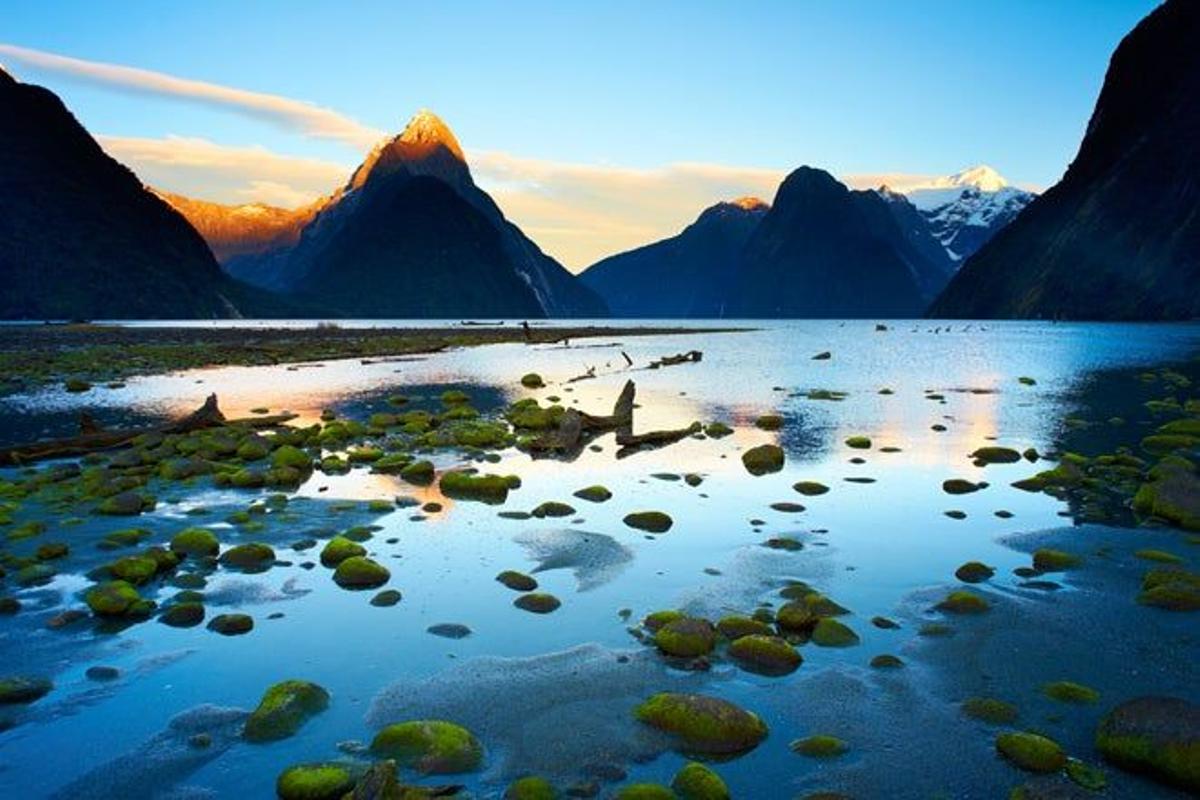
(966, 209)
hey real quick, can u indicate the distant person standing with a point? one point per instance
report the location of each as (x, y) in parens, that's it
(525, 327)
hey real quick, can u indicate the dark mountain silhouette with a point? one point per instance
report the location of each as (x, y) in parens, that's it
(410, 234)
(1119, 236)
(687, 275)
(824, 251)
(81, 238)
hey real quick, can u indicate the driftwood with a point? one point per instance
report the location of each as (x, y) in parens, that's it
(577, 428)
(92, 439)
(690, 356)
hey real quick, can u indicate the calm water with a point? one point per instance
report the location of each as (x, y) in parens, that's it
(867, 545)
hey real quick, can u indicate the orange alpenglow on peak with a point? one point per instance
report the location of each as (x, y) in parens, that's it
(426, 131)
(749, 203)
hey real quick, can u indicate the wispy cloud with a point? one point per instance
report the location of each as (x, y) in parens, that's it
(582, 212)
(204, 169)
(304, 117)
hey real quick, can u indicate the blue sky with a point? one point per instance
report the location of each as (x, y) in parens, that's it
(859, 88)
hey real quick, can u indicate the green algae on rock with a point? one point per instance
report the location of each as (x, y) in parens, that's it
(819, 746)
(765, 655)
(1171, 589)
(594, 494)
(996, 455)
(810, 488)
(249, 557)
(649, 521)
(532, 380)
(195, 542)
(686, 637)
(963, 602)
(1155, 736)
(645, 791)
(537, 603)
(552, 508)
(831, 633)
(329, 781)
(974, 572)
(433, 747)
(763, 459)
(419, 473)
(338, 549)
(23, 689)
(695, 781)
(735, 626)
(284, 708)
(1070, 692)
(990, 710)
(462, 485)
(959, 486)
(702, 724)
(1031, 751)
(113, 599)
(531, 787)
(769, 422)
(1049, 560)
(187, 614)
(717, 430)
(386, 598)
(360, 572)
(517, 581)
(859, 442)
(231, 624)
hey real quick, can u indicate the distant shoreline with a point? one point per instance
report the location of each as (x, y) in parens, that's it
(38, 354)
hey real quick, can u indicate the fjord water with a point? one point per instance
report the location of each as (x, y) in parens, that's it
(869, 546)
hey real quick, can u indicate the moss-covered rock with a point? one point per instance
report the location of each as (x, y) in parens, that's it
(23, 689)
(1048, 560)
(531, 787)
(974, 572)
(187, 614)
(434, 747)
(1031, 752)
(702, 724)
(517, 581)
(990, 710)
(717, 430)
(963, 602)
(657, 619)
(859, 442)
(649, 521)
(769, 422)
(231, 624)
(686, 637)
(695, 781)
(996, 455)
(290, 456)
(283, 709)
(810, 488)
(765, 655)
(484, 488)
(249, 557)
(735, 626)
(195, 542)
(763, 459)
(315, 782)
(112, 599)
(959, 486)
(532, 380)
(125, 504)
(537, 603)
(886, 661)
(1171, 589)
(819, 746)
(594, 494)
(360, 572)
(1070, 692)
(553, 509)
(419, 473)
(134, 569)
(338, 549)
(645, 791)
(1156, 736)
(829, 632)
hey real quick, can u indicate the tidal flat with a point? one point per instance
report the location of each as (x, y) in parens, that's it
(816, 560)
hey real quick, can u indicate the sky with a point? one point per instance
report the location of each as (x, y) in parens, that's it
(597, 126)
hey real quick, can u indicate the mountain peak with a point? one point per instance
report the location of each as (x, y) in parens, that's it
(6, 76)
(425, 132)
(981, 177)
(749, 203)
